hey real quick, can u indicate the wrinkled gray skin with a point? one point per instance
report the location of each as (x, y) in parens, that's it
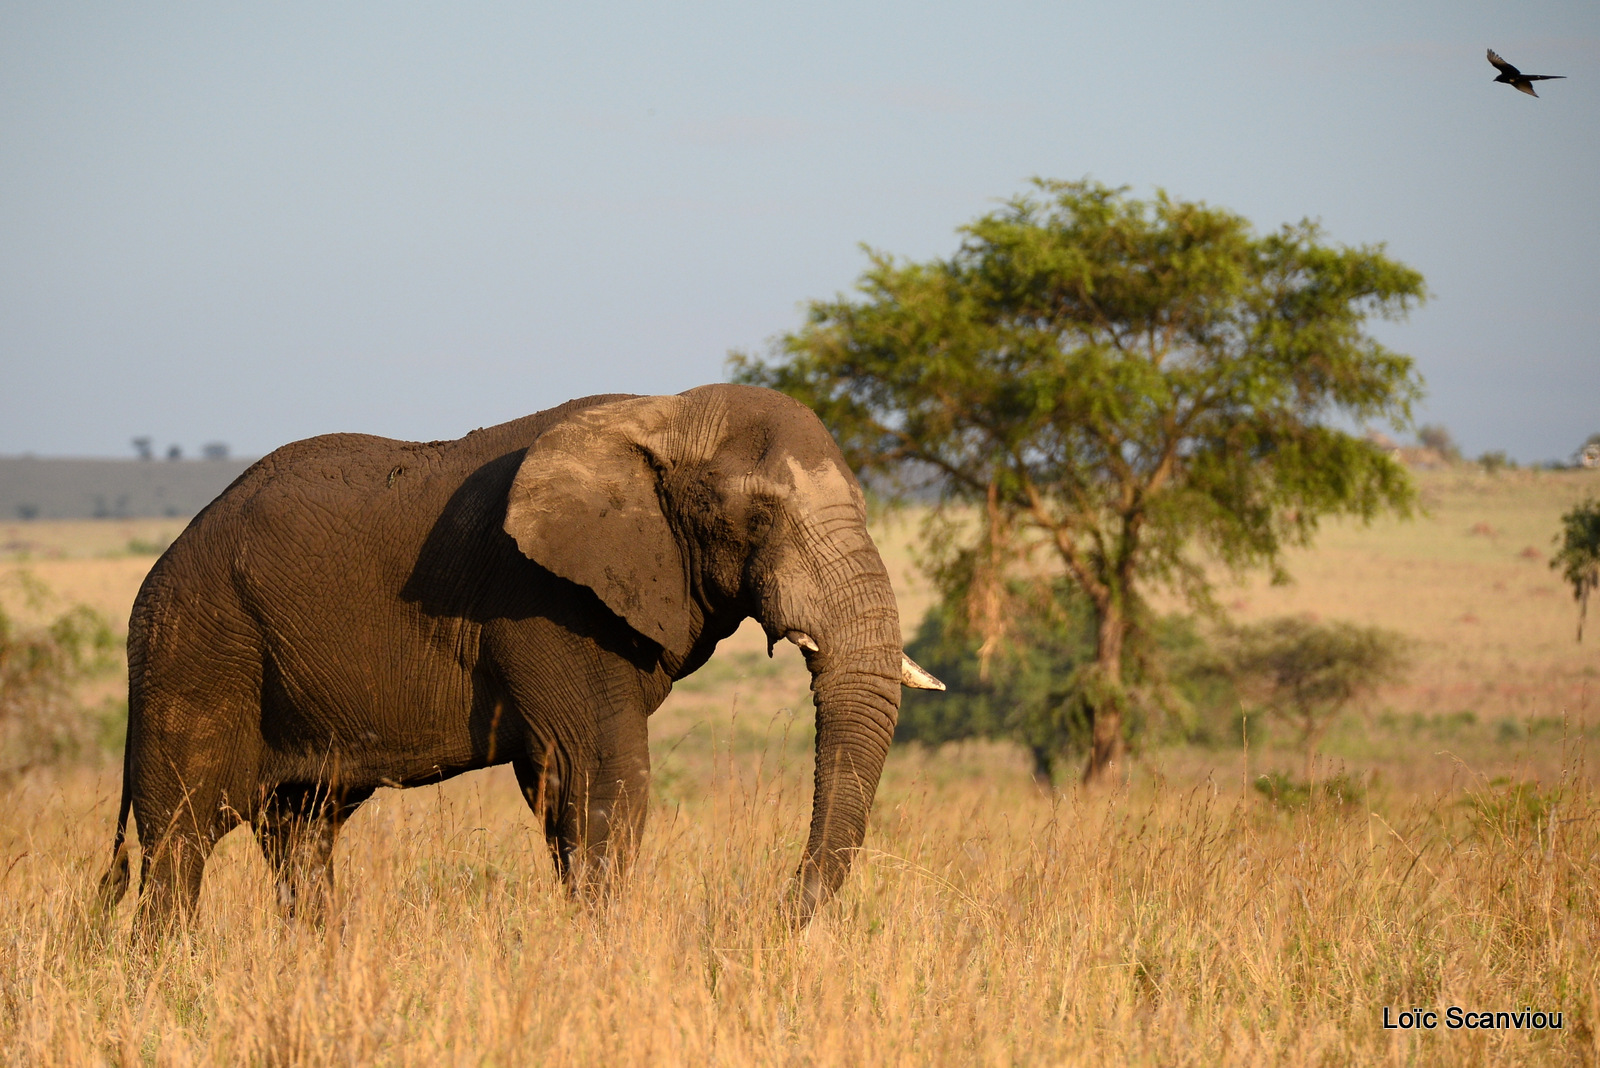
(357, 612)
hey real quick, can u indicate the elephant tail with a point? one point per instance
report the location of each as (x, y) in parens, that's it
(114, 883)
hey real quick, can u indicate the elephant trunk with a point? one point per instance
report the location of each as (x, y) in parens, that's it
(855, 683)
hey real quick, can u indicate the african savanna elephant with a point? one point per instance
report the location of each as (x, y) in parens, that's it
(355, 612)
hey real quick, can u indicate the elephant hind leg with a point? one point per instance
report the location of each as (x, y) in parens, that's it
(178, 839)
(296, 828)
(114, 883)
(184, 795)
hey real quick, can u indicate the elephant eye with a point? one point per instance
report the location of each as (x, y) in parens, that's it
(761, 517)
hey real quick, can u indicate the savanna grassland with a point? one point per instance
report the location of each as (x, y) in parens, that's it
(1183, 918)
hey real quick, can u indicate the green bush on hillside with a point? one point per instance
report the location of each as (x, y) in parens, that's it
(40, 720)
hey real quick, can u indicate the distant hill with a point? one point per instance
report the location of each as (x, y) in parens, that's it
(47, 488)
(38, 488)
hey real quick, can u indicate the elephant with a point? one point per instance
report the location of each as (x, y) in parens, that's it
(355, 612)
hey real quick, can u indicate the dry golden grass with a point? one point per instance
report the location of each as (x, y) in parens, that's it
(1182, 919)
(984, 924)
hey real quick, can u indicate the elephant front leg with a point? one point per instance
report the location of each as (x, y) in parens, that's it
(594, 814)
(617, 800)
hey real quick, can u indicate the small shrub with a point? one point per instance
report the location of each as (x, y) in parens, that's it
(40, 722)
(1588, 454)
(148, 546)
(1341, 791)
(1440, 440)
(1511, 808)
(1024, 692)
(1496, 461)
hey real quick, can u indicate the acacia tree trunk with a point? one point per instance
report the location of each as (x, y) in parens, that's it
(1107, 750)
(1043, 767)
(1313, 727)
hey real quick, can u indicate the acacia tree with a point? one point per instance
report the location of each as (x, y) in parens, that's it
(1125, 384)
(1306, 672)
(1578, 554)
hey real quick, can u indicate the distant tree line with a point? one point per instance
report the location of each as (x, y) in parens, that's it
(144, 448)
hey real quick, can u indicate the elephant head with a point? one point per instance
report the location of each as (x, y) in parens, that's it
(683, 513)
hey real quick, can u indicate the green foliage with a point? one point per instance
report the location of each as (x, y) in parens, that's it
(39, 722)
(1024, 694)
(1342, 791)
(1034, 690)
(1508, 808)
(1578, 554)
(1305, 673)
(1127, 385)
(1202, 699)
(1496, 461)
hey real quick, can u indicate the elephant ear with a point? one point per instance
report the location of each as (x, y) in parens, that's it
(586, 505)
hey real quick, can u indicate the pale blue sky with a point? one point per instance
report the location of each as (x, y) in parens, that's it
(257, 223)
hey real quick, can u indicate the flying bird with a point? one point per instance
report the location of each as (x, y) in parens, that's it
(1515, 78)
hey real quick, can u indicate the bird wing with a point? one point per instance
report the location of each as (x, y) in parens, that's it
(1542, 77)
(1524, 86)
(1504, 67)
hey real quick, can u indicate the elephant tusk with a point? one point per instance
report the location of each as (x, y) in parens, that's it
(803, 640)
(915, 676)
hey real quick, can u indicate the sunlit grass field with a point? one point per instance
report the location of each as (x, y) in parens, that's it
(1185, 917)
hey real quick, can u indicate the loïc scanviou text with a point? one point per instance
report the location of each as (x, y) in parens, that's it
(1456, 1018)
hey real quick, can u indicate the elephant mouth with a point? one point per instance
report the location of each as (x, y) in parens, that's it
(912, 674)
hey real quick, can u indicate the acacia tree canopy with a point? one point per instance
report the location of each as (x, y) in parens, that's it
(1306, 672)
(1133, 385)
(1578, 553)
